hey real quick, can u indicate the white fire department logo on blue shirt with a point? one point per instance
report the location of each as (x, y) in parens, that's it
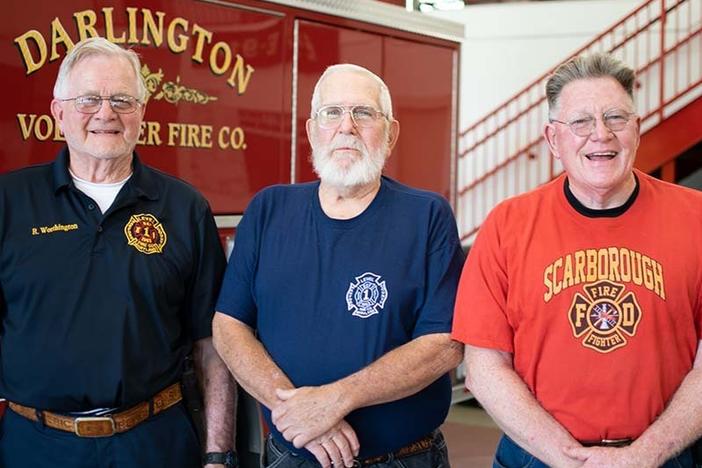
(366, 295)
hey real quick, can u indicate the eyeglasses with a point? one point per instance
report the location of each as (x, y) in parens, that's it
(615, 120)
(120, 103)
(362, 116)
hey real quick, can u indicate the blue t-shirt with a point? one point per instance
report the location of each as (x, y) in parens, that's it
(328, 297)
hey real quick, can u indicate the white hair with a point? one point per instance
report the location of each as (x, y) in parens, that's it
(597, 65)
(91, 47)
(384, 98)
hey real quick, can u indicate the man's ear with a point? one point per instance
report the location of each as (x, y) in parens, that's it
(309, 130)
(551, 138)
(57, 112)
(638, 131)
(393, 134)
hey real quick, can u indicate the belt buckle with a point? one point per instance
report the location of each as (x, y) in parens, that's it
(103, 426)
(615, 442)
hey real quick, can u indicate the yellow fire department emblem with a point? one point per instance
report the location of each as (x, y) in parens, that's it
(604, 315)
(145, 233)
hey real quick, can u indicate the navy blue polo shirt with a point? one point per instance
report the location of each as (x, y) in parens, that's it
(329, 297)
(100, 310)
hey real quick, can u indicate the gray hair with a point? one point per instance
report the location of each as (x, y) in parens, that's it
(97, 46)
(597, 65)
(383, 93)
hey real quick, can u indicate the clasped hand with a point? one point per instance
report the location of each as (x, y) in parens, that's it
(312, 417)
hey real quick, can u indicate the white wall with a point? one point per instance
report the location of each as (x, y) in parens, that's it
(509, 45)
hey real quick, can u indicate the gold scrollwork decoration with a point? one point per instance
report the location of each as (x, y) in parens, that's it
(171, 91)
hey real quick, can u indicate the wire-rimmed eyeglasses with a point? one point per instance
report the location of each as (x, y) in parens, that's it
(91, 104)
(362, 116)
(615, 120)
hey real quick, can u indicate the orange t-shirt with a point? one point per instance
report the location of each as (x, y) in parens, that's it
(603, 315)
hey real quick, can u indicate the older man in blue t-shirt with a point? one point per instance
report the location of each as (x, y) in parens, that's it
(337, 303)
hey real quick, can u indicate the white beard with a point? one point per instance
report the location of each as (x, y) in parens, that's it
(364, 170)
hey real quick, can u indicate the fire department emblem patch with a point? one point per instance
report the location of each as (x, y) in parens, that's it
(145, 233)
(604, 316)
(366, 295)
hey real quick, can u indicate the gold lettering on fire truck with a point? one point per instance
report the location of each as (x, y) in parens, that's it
(613, 264)
(604, 316)
(41, 127)
(177, 34)
(178, 134)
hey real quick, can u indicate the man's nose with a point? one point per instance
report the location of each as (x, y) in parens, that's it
(347, 125)
(105, 110)
(600, 131)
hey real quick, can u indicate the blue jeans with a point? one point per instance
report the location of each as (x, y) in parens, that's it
(277, 456)
(511, 455)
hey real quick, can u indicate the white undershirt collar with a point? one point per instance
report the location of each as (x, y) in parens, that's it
(103, 194)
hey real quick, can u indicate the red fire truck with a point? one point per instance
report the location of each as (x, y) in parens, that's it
(230, 83)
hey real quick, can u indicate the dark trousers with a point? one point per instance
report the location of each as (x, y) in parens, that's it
(511, 455)
(165, 440)
(697, 453)
(278, 456)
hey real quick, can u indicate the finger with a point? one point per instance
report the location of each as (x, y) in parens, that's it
(285, 394)
(351, 437)
(302, 439)
(333, 452)
(282, 423)
(319, 453)
(290, 435)
(344, 448)
(579, 453)
(276, 414)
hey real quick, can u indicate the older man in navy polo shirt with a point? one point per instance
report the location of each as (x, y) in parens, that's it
(108, 277)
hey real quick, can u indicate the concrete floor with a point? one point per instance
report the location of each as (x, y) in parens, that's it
(471, 437)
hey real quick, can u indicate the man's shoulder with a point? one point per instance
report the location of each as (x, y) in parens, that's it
(661, 188)
(408, 191)
(35, 175)
(530, 202)
(402, 193)
(284, 194)
(170, 184)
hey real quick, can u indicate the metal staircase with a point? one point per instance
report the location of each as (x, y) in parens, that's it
(504, 154)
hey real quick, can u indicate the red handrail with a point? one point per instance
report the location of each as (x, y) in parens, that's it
(503, 153)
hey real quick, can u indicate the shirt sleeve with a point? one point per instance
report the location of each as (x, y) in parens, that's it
(236, 297)
(480, 317)
(444, 261)
(208, 272)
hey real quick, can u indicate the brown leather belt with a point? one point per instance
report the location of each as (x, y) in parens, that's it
(104, 426)
(607, 443)
(419, 446)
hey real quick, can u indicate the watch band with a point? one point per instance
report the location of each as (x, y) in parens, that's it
(228, 458)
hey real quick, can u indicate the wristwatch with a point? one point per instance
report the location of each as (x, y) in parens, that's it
(228, 458)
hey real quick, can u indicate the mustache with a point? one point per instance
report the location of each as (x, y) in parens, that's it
(346, 141)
